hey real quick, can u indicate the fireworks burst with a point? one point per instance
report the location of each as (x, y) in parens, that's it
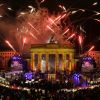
(38, 25)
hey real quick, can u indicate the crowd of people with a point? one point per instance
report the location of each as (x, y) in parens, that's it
(40, 88)
(40, 94)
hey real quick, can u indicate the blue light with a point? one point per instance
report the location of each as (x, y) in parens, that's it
(78, 80)
(28, 76)
(75, 77)
(87, 58)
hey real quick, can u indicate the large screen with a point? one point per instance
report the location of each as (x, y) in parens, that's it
(16, 63)
(87, 64)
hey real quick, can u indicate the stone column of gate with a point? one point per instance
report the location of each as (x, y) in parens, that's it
(63, 65)
(64, 61)
(70, 62)
(32, 61)
(39, 61)
(56, 62)
(47, 61)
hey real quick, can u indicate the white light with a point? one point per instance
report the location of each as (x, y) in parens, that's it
(73, 12)
(9, 8)
(22, 13)
(1, 5)
(1, 16)
(82, 10)
(97, 13)
(32, 9)
(95, 3)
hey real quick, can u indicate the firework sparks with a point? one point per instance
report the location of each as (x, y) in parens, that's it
(62, 7)
(42, 1)
(82, 29)
(98, 20)
(92, 47)
(33, 27)
(1, 16)
(32, 8)
(50, 28)
(8, 43)
(80, 40)
(57, 18)
(73, 12)
(97, 13)
(63, 16)
(60, 17)
(41, 26)
(24, 41)
(95, 3)
(65, 31)
(37, 24)
(9, 8)
(83, 10)
(71, 36)
(22, 13)
(33, 35)
(52, 21)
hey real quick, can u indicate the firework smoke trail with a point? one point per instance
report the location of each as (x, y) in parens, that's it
(7, 42)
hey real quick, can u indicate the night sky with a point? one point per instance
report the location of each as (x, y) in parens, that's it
(84, 17)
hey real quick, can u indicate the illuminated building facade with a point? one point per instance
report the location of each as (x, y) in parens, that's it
(5, 56)
(96, 56)
(52, 57)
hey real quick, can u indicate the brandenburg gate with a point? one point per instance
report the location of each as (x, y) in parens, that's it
(52, 57)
